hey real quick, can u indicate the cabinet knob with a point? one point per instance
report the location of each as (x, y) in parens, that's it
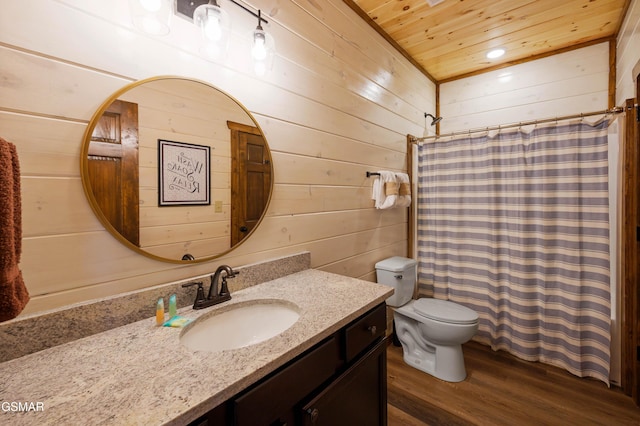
(373, 329)
(313, 414)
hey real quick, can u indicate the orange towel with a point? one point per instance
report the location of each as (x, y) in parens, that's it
(390, 188)
(13, 293)
(404, 195)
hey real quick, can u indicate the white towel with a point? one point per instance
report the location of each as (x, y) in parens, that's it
(404, 190)
(385, 190)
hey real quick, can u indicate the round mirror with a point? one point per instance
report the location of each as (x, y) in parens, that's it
(176, 169)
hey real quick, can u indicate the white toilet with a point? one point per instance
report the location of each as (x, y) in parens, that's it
(431, 331)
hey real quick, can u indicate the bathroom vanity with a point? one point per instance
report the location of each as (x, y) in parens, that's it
(329, 365)
(341, 380)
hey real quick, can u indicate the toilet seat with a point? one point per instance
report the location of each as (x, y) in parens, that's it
(445, 311)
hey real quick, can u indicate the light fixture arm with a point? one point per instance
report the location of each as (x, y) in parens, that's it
(259, 27)
(257, 15)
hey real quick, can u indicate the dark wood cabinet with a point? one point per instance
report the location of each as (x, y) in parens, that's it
(357, 397)
(340, 381)
(273, 398)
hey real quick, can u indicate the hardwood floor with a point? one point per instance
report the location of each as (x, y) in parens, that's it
(502, 390)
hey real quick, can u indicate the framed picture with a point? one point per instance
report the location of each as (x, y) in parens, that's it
(183, 174)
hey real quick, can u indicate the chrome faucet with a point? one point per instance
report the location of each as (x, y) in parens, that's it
(213, 298)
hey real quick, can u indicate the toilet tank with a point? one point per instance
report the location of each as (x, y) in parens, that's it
(399, 273)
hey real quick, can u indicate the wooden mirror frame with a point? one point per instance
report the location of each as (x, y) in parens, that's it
(247, 123)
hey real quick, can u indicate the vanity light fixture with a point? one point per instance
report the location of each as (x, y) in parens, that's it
(213, 21)
(151, 16)
(262, 48)
(259, 49)
(215, 26)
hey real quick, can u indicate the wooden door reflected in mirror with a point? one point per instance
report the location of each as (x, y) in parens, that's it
(112, 162)
(251, 179)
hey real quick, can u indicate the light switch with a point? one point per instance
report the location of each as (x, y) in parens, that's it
(218, 206)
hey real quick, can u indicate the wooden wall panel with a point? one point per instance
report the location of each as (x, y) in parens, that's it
(568, 83)
(338, 102)
(48, 147)
(290, 199)
(316, 143)
(382, 73)
(628, 54)
(359, 264)
(55, 206)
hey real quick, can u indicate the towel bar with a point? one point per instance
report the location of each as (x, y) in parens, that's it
(369, 174)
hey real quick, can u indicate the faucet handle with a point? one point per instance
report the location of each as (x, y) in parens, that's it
(224, 290)
(200, 299)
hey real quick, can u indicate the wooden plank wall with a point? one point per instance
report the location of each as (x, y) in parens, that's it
(628, 54)
(568, 83)
(338, 102)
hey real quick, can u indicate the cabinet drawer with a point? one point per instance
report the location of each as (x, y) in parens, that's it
(278, 394)
(364, 331)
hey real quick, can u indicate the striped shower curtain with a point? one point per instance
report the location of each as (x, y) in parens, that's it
(515, 225)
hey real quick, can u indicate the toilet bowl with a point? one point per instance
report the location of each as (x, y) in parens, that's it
(431, 331)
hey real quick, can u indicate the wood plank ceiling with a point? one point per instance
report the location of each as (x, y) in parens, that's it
(450, 39)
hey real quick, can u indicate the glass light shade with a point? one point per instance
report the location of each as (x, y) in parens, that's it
(213, 22)
(151, 16)
(262, 51)
(215, 27)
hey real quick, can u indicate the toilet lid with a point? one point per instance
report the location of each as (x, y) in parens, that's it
(445, 311)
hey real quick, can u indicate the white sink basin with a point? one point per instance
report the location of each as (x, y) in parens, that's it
(242, 325)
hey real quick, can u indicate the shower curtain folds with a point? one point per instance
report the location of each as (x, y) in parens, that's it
(515, 225)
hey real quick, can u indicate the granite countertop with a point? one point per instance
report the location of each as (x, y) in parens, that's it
(141, 374)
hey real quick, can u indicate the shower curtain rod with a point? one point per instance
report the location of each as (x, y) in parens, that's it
(615, 110)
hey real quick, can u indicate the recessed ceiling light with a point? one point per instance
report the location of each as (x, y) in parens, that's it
(495, 53)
